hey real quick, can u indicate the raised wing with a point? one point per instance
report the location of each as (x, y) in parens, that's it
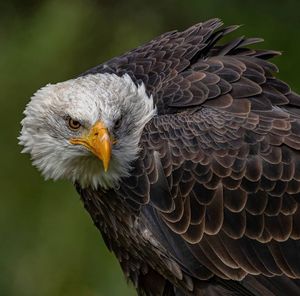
(178, 68)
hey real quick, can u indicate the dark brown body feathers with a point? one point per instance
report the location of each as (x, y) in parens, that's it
(212, 204)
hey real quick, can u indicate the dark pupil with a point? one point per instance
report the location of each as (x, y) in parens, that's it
(74, 123)
(118, 123)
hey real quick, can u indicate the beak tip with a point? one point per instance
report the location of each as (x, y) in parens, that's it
(105, 166)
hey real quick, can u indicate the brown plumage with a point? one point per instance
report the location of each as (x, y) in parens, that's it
(212, 203)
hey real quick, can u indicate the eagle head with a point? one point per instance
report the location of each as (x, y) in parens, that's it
(86, 129)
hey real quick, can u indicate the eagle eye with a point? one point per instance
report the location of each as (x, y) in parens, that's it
(118, 122)
(74, 125)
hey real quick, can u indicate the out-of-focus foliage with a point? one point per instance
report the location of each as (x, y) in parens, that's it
(48, 244)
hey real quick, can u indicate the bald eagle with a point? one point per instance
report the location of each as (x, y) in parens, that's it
(185, 153)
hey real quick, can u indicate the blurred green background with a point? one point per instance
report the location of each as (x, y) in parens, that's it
(48, 244)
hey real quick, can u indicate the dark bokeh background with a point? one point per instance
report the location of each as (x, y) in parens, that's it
(48, 244)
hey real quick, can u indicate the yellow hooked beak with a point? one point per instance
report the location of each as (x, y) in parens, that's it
(97, 141)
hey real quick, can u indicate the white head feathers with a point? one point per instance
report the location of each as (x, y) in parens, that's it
(106, 97)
